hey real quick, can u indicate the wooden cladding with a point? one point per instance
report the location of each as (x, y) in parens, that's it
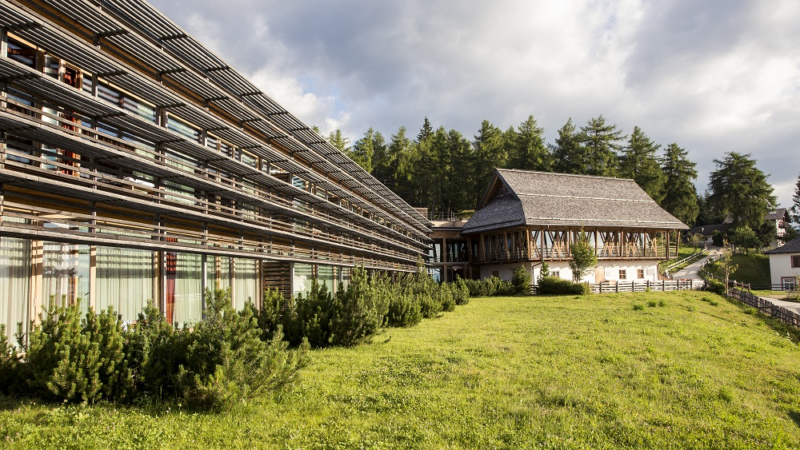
(536, 244)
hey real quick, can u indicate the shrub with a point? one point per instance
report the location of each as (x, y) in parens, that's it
(357, 313)
(557, 286)
(652, 303)
(718, 238)
(446, 298)
(521, 281)
(461, 291)
(715, 286)
(662, 303)
(226, 361)
(9, 364)
(64, 360)
(638, 307)
(403, 311)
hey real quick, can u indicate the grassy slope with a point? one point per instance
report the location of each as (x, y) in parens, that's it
(753, 269)
(561, 372)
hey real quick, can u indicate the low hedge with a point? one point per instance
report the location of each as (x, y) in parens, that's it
(557, 286)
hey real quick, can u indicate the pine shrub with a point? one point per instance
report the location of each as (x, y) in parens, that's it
(403, 311)
(557, 286)
(521, 281)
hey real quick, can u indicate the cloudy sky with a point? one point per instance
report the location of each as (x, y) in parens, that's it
(713, 76)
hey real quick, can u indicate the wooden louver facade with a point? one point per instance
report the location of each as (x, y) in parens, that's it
(119, 130)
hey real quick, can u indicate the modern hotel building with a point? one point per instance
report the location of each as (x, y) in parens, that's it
(135, 164)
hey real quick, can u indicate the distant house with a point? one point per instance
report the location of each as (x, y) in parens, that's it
(707, 231)
(784, 263)
(780, 219)
(527, 218)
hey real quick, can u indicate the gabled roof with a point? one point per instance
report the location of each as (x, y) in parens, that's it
(792, 246)
(778, 214)
(519, 198)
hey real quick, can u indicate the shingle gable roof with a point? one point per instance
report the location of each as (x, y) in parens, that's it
(792, 246)
(555, 199)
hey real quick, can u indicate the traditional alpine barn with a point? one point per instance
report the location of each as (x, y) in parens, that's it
(135, 164)
(527, 218)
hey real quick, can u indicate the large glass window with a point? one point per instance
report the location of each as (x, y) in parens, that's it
(21, 53)
(65, 274)
(183, 128)
(246, 288)
(302, 277)
(124, 280)
(184, 299)
(325, 277)
(15, 273)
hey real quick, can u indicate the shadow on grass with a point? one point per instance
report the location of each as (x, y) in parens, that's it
(795, 416)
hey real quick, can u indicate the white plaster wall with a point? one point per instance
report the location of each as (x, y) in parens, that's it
(610, 267)
(781, 266)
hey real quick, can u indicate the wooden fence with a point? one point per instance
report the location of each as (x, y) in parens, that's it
(765, 306)
(642, 286)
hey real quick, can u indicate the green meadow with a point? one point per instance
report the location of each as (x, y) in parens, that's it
(653, 370)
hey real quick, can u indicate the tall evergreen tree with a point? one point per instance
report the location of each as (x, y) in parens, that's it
(458, 194)
(490, 154)
(339, 141)
(740, 189)
(363, 150)
(398, 150)
(426, 131)
(601, 144)
(568, 155)
(680, 195)
(527, 149)
(639, 162)
(796, 200)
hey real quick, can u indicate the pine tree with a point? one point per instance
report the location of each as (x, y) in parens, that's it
(381, 160)
(568, 155)
(339, 141)
(527, 149)
(680, 195)
(601, 144)
(398, 150)
(796, 200)
(363, 150)
(490, 154)
(638, 161)
(426, 131)
(740, 189)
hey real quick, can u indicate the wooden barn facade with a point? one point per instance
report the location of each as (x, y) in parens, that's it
(135, 164)
(527, 218)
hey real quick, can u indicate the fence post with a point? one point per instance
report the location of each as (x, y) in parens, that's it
(663, 288)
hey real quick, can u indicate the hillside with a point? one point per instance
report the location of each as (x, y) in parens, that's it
(562, 372)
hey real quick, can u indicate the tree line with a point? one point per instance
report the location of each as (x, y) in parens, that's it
(444, 170)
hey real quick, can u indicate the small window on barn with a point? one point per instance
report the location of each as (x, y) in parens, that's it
(640, 274)
(555, 274)
(623, 274)
(795, 260)
(496, 273)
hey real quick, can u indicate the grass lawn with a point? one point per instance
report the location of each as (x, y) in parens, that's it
(556, 372)
(753, 269)
(780, 295)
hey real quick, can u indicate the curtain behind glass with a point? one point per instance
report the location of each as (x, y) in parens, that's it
(301, 279)
(124, 280)
(15, 273)
(188, 289)
(65, 274)
(325, 275)
(246, 282)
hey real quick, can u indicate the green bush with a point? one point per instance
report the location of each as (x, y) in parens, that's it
(715, 286)
(638, 307)
(718, 238)
(9, 364)
(521, 281)
(403, 311)
(461, 291)
(226, 360)
(557, 286)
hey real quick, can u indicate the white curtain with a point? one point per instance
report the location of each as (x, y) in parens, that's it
(301, 279)
(246, 282)
(15, 273)
(188, 289)
(325, 275)
(124, 280)
(65, 274)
